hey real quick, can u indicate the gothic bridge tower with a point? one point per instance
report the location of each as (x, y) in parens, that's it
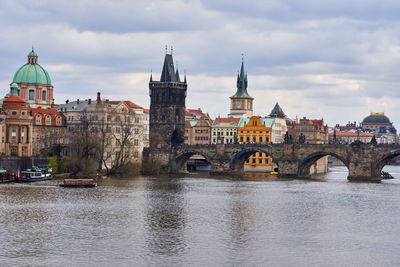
(167, 107)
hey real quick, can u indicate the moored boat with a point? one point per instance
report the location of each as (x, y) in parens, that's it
(6, 177)
(78, 183)
(32, 175)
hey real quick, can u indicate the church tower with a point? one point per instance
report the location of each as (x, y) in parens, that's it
(241, 101)
(167, 107)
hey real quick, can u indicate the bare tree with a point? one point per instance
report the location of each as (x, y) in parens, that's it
(85, 148)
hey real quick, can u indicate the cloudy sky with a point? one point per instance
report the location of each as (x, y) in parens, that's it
(335, 59)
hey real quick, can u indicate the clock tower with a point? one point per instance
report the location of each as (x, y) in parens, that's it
(241, 101)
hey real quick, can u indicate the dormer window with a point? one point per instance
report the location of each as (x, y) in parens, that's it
(38, 119)
(48, 120)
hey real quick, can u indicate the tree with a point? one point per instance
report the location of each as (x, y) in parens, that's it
(84, 148)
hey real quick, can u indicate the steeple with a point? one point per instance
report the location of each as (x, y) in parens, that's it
(168, 72)
(241, 84)
(277, 112)
(177, 74)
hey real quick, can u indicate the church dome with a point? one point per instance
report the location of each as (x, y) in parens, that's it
(32, 72)
(376, 118)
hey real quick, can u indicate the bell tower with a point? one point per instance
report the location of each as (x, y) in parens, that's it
(167, 107)
(241, 101)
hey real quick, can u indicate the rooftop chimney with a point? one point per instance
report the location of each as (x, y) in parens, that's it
(90, 101)
(77, 101)
(98, 97)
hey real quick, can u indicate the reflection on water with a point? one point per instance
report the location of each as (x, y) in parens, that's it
(257, 219)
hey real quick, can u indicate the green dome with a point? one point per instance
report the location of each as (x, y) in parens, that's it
(32, 54)
(32, 74)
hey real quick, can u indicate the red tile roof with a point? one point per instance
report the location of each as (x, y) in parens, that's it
(197, 112)
(132, 105)
(234, 120)
(146, 110)
(43, 111)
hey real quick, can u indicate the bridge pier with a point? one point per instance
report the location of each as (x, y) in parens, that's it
(220, 167)
(288, 168)
(362, 171)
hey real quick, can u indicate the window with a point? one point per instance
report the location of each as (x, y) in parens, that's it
(43, 95)
(136, 130)
(135, 154)
(108, 154)
(117, 141)
(260, 139)
(48, 120)
(117, 130)
(136, 120)
(109, 118)
(13, 134)
(31, 94)
(136, 142)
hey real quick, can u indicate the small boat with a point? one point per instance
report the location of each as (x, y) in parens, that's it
(78, 183)
(32, 175)
(6, 177)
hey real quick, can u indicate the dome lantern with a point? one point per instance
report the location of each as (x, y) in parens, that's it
(32, 57)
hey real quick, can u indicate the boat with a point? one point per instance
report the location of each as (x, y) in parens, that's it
(33, 175)
(78, 183)
(273, 173)
(6, 177)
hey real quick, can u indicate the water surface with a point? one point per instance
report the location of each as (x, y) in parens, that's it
(203, 221)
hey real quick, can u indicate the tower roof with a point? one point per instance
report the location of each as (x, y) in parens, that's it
(242, 85)
(277, 111)
(168, 73)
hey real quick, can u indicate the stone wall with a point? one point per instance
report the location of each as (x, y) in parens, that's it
(13, 163)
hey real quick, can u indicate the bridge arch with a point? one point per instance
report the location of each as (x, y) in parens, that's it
(305, 164)
(238, 159)
(377, 170)
(184, 156)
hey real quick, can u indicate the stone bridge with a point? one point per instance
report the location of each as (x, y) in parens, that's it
(364, 161)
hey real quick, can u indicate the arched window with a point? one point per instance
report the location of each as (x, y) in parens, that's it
(58, 121)
(48, 120)
(43, 95)
(38, 119)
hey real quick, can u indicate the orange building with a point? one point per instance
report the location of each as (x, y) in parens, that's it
(256, 130)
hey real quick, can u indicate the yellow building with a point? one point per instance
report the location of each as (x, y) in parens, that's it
(256, 130)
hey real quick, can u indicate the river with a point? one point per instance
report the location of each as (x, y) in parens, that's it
(195, 220)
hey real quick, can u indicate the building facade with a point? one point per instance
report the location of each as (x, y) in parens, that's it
(256, 130)
(224, 130)
(197, 132)
(279, 127)
(241, 101)
(167, 107)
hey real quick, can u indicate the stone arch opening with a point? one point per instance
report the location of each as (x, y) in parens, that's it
(182, 160)
(259, 159)
(317, 163)
(378, 171)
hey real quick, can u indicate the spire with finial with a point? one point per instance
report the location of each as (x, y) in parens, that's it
(177, 74)
(151, 75)
(242, 84)
(184, 80)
